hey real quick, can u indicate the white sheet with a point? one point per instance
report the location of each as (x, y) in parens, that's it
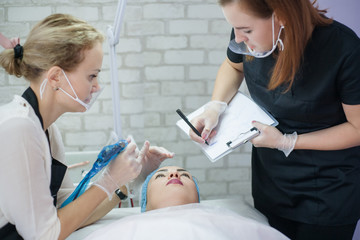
(192, 221)
(249, 218)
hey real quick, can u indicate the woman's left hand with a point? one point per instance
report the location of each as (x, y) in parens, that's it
(150, 159)
(271, 137)
(153, 158)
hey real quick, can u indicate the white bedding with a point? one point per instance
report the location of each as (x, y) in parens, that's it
(215, 219)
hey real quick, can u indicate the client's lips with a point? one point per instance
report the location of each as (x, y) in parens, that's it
(174, 181)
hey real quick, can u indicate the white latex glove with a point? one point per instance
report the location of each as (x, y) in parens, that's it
(124, 168)
(152, 159)
(271, 137)
(207, 121)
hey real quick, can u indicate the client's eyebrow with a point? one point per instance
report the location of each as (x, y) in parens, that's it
(166, 170)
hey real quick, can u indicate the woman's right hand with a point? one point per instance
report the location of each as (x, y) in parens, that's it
(207, 121)
(124, 168)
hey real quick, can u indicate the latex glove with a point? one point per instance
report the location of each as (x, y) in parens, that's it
(207, 121)
(124, 168)
(271, 137)
(153, 157)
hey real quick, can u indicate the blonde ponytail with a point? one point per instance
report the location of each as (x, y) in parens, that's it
(58, 40)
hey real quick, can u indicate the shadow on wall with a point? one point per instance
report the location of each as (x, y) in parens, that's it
(346, 12)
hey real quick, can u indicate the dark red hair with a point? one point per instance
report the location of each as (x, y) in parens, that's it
(299, 18)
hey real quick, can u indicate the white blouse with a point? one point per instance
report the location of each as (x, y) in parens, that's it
(25, 172)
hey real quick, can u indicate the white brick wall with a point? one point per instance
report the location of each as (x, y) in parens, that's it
(168, 57)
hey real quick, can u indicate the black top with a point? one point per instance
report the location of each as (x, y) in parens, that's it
(314, 187)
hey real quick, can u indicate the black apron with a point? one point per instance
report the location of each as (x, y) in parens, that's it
(308, 186)
(58, 169)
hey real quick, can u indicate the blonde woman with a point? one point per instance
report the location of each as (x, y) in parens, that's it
(61, 59)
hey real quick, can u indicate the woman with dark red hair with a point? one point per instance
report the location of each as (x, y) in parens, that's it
(304, 69)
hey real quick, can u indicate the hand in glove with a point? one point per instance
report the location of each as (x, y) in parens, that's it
(153, 158)
(271, 137)
(207, 121)
(124, 168)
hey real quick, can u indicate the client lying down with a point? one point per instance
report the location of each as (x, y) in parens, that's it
(171, 202)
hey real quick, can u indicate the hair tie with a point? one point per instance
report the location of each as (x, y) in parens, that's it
(18, 51)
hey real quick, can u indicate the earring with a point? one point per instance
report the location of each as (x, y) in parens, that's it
(56, 88)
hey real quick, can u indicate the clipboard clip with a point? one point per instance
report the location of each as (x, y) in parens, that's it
(243, 138)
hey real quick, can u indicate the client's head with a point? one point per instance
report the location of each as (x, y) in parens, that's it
(169, 186)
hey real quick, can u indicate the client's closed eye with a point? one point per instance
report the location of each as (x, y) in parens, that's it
(186, 175)
(159, 175)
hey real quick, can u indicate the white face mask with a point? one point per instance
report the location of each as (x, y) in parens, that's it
(242, 48)
(87, 106)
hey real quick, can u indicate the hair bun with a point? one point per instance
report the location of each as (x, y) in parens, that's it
(18, 51)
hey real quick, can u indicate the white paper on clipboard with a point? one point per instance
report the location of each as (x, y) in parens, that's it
(234, 127)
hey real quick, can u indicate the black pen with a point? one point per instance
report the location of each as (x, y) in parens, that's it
(189, 123)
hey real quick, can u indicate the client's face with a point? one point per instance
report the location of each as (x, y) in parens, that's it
(171, 186)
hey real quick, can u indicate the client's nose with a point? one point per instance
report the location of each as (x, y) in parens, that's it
(174, 175)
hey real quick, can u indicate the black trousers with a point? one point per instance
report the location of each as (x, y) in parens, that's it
(302, 231)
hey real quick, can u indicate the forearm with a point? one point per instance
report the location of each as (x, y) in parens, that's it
(105, 207)
(335, 138)
(228, 81)
(73, 215)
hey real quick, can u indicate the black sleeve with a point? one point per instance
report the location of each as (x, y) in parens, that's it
(349, 77)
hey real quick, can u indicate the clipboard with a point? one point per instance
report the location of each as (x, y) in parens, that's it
(234, 128)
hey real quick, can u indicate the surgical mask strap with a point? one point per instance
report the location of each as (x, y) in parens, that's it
(273, 28)
(278, 40)
(42, 88)
(77, 99)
